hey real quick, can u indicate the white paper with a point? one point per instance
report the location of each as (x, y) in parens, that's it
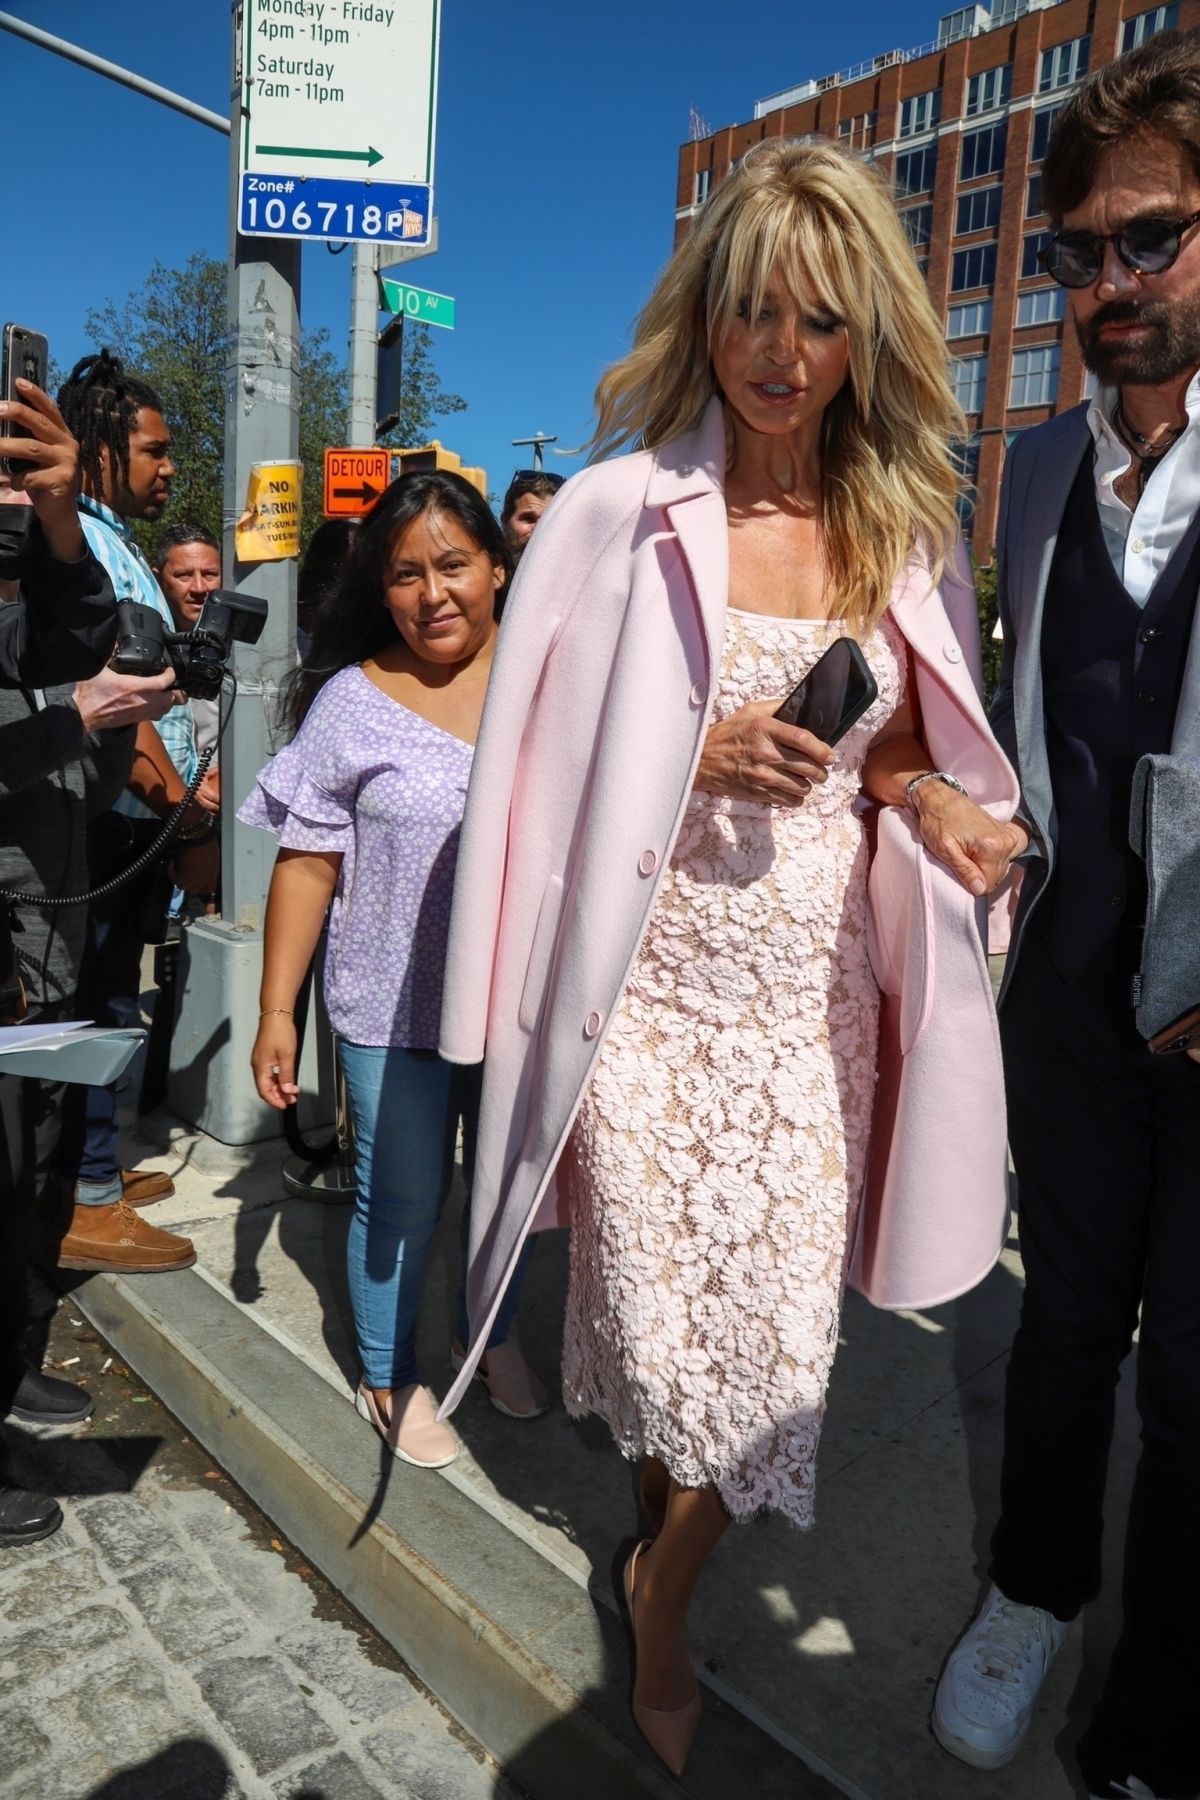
(24, 1037)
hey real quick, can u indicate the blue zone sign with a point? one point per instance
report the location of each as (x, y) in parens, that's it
(293, 206)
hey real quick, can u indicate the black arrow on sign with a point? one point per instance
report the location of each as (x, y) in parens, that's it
(363, 492)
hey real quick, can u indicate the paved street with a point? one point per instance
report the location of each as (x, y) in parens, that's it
(166, 1644)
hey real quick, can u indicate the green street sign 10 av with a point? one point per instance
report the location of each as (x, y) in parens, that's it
(417, 303)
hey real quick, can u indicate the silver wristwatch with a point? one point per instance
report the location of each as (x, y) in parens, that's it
(935, 775)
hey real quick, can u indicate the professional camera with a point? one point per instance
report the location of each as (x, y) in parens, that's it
(200, 656)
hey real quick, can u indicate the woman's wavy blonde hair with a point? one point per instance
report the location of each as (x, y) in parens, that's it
(823, 222)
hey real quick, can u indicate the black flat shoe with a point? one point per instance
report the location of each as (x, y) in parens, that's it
(26, 1517)
(45, 1400)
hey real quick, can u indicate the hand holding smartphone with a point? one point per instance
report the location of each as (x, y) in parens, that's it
(834, 694)
(25, 354)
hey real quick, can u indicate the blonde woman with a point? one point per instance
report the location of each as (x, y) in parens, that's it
(662, 924)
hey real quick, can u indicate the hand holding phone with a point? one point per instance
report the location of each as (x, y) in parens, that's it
(25, 357)
(834, 694)
(44, 459)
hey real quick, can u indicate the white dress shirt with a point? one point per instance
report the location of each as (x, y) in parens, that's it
(1142, 541)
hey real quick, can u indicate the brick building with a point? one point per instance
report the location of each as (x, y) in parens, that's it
(961, 126)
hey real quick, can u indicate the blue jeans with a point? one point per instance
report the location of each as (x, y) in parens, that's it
(404, 1172)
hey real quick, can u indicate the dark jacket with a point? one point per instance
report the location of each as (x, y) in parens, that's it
(63, 624)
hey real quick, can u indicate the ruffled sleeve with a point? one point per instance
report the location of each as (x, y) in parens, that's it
(305, 795)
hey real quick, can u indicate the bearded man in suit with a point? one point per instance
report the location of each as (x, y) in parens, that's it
(1099, 553)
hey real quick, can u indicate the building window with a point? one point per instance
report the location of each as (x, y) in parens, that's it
(1031, 245)
(1148, 24)
(971, 319)
(956, 25)
(983, 151)
(990, 89)
(1044, 306)
(1064, 64)
(968, 376)
(915, 170)
(1043, 124)
(1033, 198)
(978, 211)
(918, 224)
(703, 185)
(973, 268)
(920, 112)
(1035, 376)
(858, 133)
(967, 458)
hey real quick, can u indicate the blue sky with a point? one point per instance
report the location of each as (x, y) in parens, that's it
(558, 133)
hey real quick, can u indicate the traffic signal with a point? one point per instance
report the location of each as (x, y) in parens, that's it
(432, 456)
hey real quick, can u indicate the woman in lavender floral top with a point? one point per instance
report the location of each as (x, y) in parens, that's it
(366, 802)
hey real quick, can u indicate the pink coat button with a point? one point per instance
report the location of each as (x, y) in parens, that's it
(591, 1025)
(951, 652)
(647, 862)
(698, 694)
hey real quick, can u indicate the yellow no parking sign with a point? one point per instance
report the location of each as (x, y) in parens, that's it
(269, 529)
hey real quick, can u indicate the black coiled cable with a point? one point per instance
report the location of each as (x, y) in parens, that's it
(150, 854)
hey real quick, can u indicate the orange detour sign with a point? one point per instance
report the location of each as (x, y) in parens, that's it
(354, 480)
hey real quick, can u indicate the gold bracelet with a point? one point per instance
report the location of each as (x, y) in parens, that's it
(263, 1011)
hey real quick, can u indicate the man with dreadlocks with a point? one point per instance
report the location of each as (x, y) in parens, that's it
(126, 475)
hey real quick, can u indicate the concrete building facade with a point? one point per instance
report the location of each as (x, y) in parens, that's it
(960, 126)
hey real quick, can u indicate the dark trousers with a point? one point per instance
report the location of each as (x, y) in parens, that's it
(110, 982)
(16, 1220)
(1106, 1143)
(30, 1112)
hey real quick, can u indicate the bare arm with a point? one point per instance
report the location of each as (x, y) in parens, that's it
(301, 889)
(155, 781)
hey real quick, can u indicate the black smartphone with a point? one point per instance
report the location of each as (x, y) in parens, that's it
(25, 353)
(834, 694)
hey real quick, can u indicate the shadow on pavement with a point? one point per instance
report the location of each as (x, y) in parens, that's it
(189, 1769)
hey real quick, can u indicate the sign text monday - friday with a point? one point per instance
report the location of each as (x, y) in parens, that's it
(350, 10)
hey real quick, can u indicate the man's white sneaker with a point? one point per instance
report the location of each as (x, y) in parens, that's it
(984, 1700)
(1133, 1789)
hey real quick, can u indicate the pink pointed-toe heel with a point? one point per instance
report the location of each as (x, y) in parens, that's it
(670, 1734)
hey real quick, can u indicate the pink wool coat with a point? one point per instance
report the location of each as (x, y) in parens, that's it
(594, 723)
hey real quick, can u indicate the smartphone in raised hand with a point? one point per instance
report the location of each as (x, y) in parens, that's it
(834, 694)
(25, 353)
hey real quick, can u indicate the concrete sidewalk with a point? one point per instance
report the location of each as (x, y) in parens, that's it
(820, 1651)
(167, 1644)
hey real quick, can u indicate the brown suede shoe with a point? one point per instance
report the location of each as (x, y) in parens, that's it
(114, 1238)
(142, 1187)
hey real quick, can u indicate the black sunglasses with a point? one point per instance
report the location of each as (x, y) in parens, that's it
(1145, 246)
(544, 474)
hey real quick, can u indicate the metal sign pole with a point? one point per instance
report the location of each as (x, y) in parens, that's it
(364, 308)
(218, 1015)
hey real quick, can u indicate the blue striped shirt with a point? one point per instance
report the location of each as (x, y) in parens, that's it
(111, 542)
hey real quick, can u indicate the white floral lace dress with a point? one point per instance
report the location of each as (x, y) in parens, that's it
(714, 1169)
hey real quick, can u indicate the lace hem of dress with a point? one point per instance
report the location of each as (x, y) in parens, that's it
(744, 1499)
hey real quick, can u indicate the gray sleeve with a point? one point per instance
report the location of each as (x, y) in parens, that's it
(1002, 716)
